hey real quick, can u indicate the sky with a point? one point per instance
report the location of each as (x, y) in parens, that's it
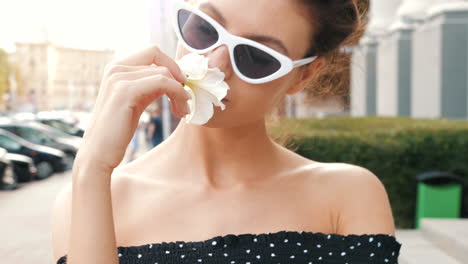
(121, 25)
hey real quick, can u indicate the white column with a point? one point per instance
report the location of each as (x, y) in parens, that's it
(441, 6)
(364, 61)
(440, 62)
(414, 9)
(382, 14)
(394, 55)
(410, 13)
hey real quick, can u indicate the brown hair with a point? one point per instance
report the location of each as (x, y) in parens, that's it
(333, 21)
(336, 23)
(341, 23)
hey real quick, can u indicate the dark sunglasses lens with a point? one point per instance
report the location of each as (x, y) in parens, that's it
(196, 31)
(255, 63)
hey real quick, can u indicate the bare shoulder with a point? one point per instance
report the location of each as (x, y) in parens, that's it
(60, 220)
(362, 206)
(344, 174)
(62, 211)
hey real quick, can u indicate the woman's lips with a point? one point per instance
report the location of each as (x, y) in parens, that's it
(225, 100)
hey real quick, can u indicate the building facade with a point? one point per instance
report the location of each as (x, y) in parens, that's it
(421, 60)
(54, 77)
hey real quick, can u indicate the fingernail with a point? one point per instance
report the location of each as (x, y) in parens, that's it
(186, 109)
(184, 78)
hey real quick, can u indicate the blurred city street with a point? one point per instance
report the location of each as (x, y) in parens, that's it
(391, 97)
(25, 218)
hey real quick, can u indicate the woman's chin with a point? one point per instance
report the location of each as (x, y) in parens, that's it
(217, 121)
(220, 119)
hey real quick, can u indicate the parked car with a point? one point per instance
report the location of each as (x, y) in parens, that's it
(8, 179)
(63, 126)
(77, 120)
(23, 166)
(47, 160)
(41, 134)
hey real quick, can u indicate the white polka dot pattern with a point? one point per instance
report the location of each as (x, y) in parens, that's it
(283, 247)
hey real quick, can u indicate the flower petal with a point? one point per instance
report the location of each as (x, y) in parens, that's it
(214, 83)
(193, 65)
(191, 103)
(219, 104)
(206, 87)
(214, 75)
(219, 91)
(202, 107)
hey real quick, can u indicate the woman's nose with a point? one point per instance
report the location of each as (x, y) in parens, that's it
(219, 58)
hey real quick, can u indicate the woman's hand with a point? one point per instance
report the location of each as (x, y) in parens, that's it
(127, 88)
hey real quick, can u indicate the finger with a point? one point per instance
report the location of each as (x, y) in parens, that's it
(151, 72)
(110, 72)
(153, 55)
(146, 57)
(134, 75)
(138, 74)
(123, 72)
(150, 88)
(116, 68)
(174, 109)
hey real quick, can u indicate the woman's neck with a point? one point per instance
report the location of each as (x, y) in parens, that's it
(222, 156)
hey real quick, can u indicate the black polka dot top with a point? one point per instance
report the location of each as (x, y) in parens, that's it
(276, 248)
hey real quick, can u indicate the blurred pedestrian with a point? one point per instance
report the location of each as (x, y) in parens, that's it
(134, 145)
(155, 128)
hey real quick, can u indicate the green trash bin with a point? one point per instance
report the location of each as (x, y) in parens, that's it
(439, 195)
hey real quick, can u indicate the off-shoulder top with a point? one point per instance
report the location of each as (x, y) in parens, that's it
(285, 247)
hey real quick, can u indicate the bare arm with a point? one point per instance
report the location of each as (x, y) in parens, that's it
(92, 219)
(88, 217)
(364, 207)
(128, 87)
(61, 216)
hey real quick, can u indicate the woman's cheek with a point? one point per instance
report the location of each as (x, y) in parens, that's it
(180, 51)
(258, 107)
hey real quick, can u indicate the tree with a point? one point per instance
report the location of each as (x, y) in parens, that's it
(4, 74)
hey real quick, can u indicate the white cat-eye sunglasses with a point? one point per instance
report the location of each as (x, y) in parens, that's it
(253, 62)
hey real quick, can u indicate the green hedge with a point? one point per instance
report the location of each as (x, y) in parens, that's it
(395, 149)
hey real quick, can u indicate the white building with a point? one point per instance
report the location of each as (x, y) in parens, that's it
(418, 62)
(55, 77)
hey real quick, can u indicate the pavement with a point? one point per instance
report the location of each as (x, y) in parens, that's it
(25, 218)
(25, 227)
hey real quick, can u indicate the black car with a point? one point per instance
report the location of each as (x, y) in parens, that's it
(63, 126)
(47, 160)
(8, 179)
(23, 166)
(41, 134)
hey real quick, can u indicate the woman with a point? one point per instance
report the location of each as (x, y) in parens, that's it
(222, 192)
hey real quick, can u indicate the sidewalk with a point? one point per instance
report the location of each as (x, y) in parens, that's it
(439, 241)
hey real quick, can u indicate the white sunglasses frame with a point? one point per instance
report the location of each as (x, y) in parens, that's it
(226, 38)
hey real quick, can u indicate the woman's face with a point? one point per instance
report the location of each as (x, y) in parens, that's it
(278, 19)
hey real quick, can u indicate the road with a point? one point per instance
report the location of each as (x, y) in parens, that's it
(25, 229)
(25, 219)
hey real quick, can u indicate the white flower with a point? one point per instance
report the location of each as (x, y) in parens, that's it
(206, 86)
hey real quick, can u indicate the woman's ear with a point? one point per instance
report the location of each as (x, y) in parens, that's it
(306, 74)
